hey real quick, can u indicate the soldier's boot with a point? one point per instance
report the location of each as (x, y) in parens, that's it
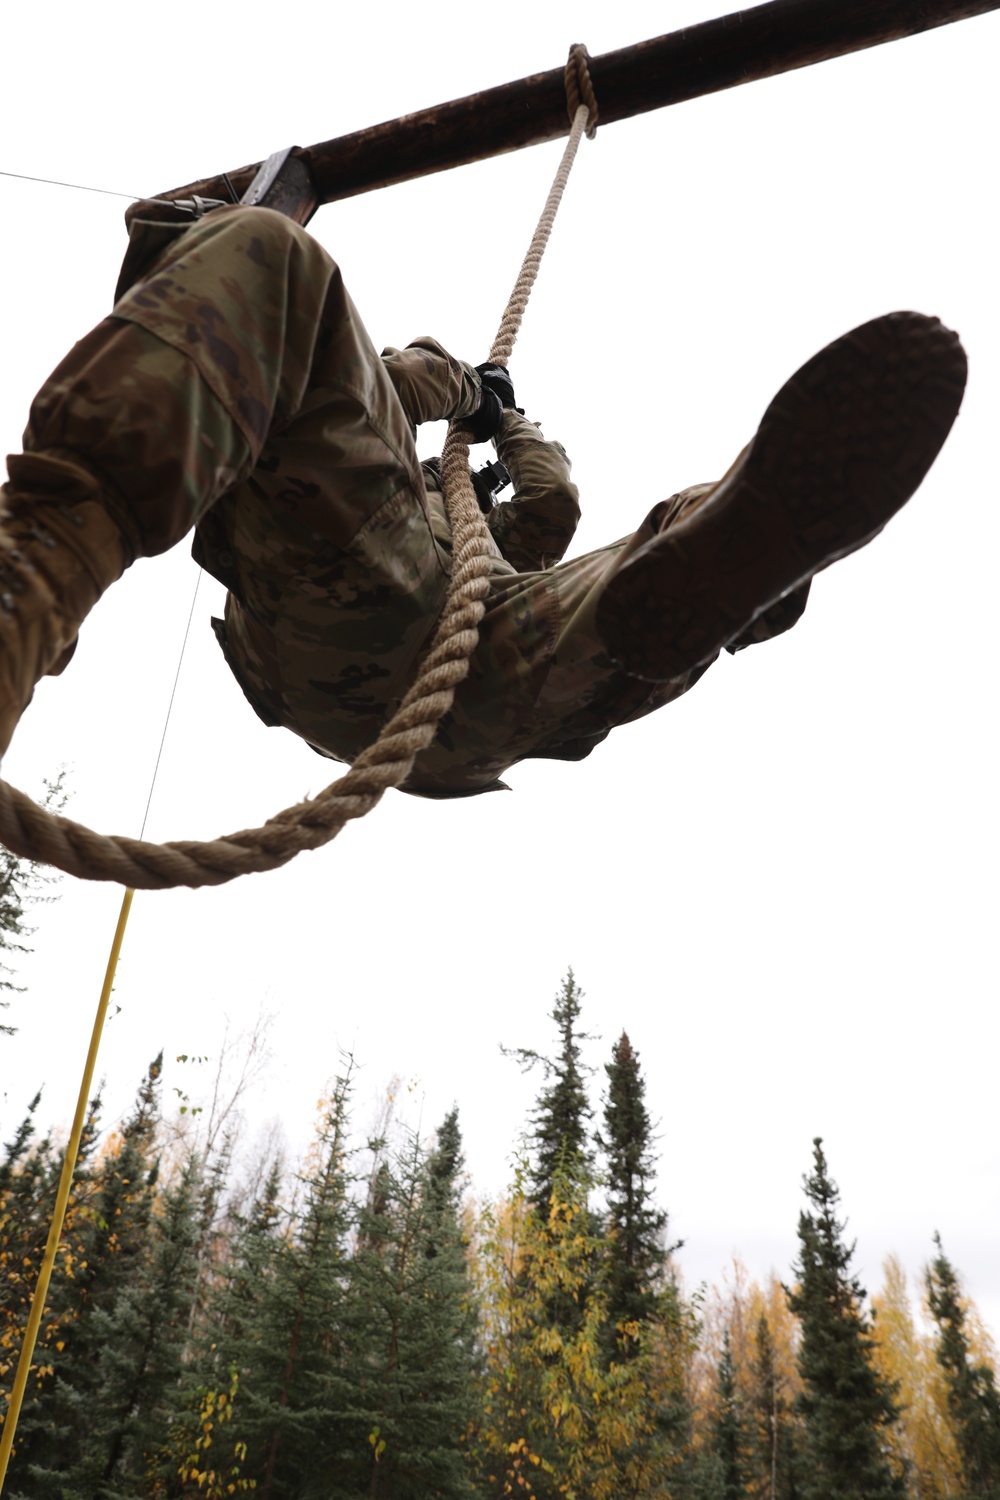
(59, 551)
(839, 451)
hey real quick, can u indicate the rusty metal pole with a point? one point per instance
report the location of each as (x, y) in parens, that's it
(739, 48)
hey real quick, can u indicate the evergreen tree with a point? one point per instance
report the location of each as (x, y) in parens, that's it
(973, 1398)
(775, 1440)
(555, 1419)
(443, 1186)
(290, 1358)
(143, 1340)
(351, 1360)
(636, 1257)
(223, 1372)
(559, 1144)
(26, 1199)
(62, 1440)
(211, 1169)
(29, 1179)
(16, 1149)
(248, 1266)
(412, 1328)
(729, 1439)
(560, 1121)
(21, 884)
(846, 1405)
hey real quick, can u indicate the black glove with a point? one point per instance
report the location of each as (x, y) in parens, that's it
(485, 420)
(496, 379)
(487, 483)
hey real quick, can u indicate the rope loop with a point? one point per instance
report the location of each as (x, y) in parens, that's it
(33, 833)
(580, 88)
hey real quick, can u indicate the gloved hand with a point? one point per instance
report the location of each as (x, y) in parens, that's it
(495, 378)
(485, 420)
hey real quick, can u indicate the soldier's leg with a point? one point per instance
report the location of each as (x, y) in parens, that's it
(542, 683)
(839, 451)
(153, 416)
(773, 621)
(567, 655)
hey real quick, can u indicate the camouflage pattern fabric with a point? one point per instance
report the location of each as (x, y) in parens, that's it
(235, 390)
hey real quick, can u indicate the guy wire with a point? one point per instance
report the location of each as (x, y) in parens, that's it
(170, 705)
(82, 187)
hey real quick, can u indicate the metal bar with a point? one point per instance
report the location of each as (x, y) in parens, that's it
(739, 48)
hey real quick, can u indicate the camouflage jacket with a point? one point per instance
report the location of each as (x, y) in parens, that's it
(337, 569)
(534, 528)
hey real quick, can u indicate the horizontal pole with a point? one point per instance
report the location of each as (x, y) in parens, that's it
(740, 48)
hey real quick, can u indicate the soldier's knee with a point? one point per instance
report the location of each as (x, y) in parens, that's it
(273, 238)
(269, 241)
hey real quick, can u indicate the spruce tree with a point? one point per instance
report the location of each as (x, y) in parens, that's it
(27, 1195)
(211, 1169)
(636, 1256)
(143, 1341)
(973, 1397)
(15, 1150)
(775, 1440)
(62, 1447)
(846, 1405)
(561, 1117)
(412, 1329)
(729, 1438)
(21, 885)
(442, 1187)
(561, 1155)
(290, 1359)
(224, 1357)
(29, 1179)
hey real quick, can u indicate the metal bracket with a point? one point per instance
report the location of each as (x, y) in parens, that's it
(284, 183)
(199, 207)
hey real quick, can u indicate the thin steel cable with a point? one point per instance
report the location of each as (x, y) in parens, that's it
(33, 833)
(82, 187)
(170, 705)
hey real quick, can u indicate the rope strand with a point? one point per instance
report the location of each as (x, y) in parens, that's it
(510, 323)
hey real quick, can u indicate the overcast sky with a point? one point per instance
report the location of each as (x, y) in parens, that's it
(783, 886)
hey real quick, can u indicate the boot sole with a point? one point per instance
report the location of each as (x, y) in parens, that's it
(840, 449)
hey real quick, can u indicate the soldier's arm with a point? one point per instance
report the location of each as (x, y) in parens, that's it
(432, 385)
(534, 529)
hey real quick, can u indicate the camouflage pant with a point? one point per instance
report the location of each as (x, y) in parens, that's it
(234, 389)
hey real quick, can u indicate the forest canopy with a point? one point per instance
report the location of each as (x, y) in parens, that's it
(363, 1323)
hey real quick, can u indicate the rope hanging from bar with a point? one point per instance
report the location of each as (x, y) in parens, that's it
(35, 834)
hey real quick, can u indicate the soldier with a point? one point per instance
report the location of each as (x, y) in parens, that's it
(234, 390)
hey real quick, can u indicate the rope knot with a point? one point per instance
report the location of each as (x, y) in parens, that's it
(579, 88)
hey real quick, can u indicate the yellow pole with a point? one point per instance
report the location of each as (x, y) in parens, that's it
(62, 1198)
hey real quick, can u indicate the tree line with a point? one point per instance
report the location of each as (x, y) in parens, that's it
(359, 1325)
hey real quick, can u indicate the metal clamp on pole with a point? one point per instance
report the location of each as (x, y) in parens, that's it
(284, 183)
(197, 205)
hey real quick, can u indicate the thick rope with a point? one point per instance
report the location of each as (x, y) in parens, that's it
(510, 323)
(28, 830)
(579, 87)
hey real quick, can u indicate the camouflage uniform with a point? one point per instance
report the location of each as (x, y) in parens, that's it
(234, 389)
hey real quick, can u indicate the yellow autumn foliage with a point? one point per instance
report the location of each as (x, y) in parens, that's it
(551, 1402)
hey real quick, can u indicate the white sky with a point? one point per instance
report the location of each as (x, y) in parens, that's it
(784, 885)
